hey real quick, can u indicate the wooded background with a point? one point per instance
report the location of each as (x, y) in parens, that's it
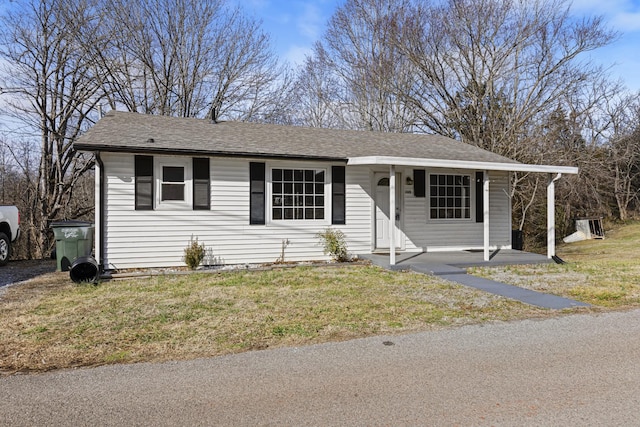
(511, 76)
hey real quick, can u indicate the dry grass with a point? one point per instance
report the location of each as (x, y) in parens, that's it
(50, 323)
(604, 273)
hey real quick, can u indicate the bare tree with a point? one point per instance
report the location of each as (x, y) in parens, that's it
(359, 58)
(246, 80)
(487, 71)
(50, 86)
(622, 165)
(316, 93)
(159, 55)
(190, 58)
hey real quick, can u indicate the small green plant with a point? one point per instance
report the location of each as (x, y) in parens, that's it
(194, 253)
(334, 244)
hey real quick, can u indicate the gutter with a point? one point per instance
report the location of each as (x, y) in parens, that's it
(211, 153)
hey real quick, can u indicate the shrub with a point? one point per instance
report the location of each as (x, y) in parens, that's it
(194, 253)
(334, 244)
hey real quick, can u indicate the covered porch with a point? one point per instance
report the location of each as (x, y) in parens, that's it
(488, 253)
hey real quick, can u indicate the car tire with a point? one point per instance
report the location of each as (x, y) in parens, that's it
(5, 249)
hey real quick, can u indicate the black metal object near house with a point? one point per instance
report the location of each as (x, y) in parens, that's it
(84, 270)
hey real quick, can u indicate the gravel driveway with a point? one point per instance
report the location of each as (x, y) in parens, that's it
(19, 271)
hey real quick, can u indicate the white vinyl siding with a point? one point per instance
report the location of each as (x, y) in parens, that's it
(145, 239)
(142, 239)
(436, 235)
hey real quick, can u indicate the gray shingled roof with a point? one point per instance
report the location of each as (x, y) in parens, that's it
(133, 132)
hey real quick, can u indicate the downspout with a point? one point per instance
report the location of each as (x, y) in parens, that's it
(100, 198)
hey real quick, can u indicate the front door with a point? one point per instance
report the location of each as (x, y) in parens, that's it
(382, 211)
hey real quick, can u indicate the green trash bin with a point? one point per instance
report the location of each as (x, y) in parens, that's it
(74, 239)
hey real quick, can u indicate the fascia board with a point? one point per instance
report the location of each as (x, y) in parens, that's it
(459, 164)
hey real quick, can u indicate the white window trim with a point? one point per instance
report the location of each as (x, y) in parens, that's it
(471, 197)
(328, 179)
(185, 163)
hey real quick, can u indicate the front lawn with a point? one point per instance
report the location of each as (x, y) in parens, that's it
(51, 323)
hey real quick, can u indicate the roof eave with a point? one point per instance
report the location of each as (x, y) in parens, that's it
(459, 164)
(187, 152)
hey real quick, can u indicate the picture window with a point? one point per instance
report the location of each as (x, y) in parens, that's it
(297, 194)
(450, 196)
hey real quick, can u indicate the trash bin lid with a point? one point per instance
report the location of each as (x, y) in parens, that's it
(70, 223)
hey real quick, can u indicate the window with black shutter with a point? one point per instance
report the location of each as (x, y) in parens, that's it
(257, 193)
(338, 195)
(144, 182)
(201, 184)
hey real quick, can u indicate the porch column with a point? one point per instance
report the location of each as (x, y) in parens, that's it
(551, 215)
(392, 215)
(485, 214)
(97, 227)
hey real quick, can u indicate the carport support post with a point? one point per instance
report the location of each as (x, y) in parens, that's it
(97, 228)
(392, 215)
(551, 215)
(485, 213)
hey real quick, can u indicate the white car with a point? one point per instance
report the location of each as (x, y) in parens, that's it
(9, 231)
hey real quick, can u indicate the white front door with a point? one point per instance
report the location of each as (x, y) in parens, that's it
(382, 211)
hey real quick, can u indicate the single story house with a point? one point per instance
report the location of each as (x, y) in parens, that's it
(252, 191)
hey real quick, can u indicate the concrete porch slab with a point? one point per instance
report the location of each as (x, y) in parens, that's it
(462, 259)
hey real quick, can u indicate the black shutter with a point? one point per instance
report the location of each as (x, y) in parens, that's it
(201, 184)
(338, 195)
(257, 197)
(419, 183)
(479, 197)
(143, 182)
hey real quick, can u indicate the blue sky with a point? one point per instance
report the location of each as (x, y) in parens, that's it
(295, 25)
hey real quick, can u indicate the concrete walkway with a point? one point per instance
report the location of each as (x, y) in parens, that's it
(451, 266)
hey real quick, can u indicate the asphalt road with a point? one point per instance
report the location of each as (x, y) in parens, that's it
(575, 370)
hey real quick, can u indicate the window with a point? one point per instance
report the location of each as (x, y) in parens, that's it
(143, 182)
(172, 185)
(297, 194)
(173, 182)
(450, 196)
(201, 184)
